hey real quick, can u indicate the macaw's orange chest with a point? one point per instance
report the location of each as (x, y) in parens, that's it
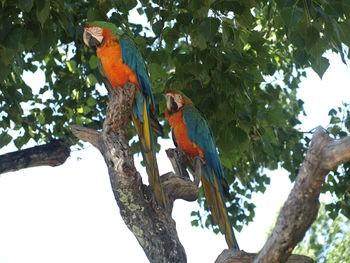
(116, 71)
(181, 136)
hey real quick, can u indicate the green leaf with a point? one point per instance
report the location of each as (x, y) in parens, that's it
(5, 139)
(184, 18)
(344, 29)
(312, 38)
(227, 34)
(29, 40)
(91, 102)
(13, 38)
(20, 141)
(72, 65)
(199, 41)
(156, 27)
(127, 5)
(194, 223)
(41, 119)
(320, 65)
(171, 35)
(93, 14)
(240, 138)
(209, 28)
(140, 11)
(267, 148)
(93, 62)
(42, 11)
(332, 112)
(86, 109)
(91, 79)
(275, 115)
(291, 15)
(26, 5)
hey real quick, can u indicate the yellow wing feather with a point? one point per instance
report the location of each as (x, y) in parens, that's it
(148, 152)
(218, 210)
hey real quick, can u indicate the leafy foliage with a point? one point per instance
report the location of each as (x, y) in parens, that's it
(239, 61)
(328, 240)
(338, 181)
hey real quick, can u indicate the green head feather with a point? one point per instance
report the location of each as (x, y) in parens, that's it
(114, 29)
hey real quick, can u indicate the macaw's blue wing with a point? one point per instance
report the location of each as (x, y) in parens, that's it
(132, 57)
(199, 132)
(212, 173)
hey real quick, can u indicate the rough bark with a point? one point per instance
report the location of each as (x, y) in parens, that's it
(236, 256)
(153, 226)
(301, 208)
(53, 153)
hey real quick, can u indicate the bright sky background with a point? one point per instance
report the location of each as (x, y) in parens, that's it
(68, 213)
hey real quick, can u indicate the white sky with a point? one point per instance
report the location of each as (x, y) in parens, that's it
(68, 213)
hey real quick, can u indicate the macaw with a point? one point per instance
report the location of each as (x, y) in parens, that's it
(121, 62)
(191, 132)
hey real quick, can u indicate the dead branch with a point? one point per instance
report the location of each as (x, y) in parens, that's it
(86, 134)
(52, 154)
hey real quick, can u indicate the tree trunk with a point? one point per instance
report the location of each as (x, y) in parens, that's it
(152, 225)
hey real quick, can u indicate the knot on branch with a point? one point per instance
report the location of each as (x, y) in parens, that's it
(119, 107)
(179, 185)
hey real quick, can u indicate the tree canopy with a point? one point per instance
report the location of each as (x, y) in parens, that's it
(239, 61)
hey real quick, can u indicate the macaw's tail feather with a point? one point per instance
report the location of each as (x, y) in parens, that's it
(218, 210)
(144, 131)
(156, 127)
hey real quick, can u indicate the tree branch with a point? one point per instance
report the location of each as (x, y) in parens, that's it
(53, 153)
(239, 256)
(86, 134)
(301, 207)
